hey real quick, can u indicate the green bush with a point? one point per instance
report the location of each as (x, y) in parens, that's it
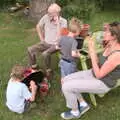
(80, 11)
(62, 3)
(85, 9)
(6, 2)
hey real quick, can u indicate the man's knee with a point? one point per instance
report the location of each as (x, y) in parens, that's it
(29, 49)
(32, 50)
(45, 53)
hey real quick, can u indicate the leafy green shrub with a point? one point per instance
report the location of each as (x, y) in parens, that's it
(85, 9)
(79, 11)
(22, 1)
(6, 2)
(82, 9)
(63, 3)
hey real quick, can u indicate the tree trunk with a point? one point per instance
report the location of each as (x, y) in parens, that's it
(38, 8)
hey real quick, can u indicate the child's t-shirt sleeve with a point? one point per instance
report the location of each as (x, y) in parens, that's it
(26, 93)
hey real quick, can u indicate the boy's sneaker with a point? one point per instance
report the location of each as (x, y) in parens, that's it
(84, 109)
(68, 115)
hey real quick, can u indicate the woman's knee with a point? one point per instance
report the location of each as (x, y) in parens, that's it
(65, 87)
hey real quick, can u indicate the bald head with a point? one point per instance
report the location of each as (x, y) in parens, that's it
(54, 8)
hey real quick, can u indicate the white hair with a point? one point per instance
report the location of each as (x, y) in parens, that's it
(54, 8)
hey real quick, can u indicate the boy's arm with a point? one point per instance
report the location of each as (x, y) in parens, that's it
(33, 90)
(27, 94)
(75, 52)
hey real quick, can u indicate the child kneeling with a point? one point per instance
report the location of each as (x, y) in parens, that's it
(17, 94)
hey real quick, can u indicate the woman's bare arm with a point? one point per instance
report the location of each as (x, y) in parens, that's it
(109, 65)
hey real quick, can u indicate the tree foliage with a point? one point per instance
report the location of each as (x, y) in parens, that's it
(84, 9)
(4, 3)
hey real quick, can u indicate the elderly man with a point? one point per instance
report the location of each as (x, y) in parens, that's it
(48, 29)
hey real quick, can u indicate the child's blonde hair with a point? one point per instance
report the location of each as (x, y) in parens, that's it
(18, 71)
(75, 25)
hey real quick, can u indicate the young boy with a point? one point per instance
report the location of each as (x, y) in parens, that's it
(17, 94)
(68, 48)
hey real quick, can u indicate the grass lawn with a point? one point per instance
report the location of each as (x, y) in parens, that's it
(16, 34)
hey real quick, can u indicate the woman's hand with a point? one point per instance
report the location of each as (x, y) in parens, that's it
(91, 42)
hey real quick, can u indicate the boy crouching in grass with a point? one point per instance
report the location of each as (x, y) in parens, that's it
(17, 94)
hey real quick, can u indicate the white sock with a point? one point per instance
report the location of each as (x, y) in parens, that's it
(83, 103)
(75, 112)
